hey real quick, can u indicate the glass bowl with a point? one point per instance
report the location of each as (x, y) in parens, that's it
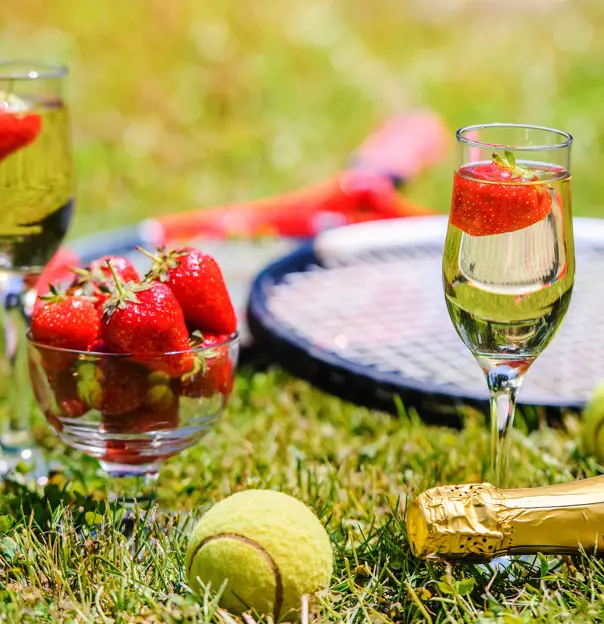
(128, 412)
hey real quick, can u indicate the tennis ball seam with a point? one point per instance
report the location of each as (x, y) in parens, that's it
(250, 542)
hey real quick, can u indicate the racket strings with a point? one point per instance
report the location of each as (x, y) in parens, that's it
(385, 311)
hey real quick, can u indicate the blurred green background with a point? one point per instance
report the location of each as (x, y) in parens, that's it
(178, 105)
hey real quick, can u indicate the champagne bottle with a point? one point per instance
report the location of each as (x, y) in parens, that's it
(480, 521)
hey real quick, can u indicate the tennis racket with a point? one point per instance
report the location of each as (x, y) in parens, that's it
(360, 312)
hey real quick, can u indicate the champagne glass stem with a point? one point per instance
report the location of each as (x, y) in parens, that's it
(504, 381)
(16, 442)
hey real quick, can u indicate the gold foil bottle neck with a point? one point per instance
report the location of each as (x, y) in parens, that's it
(480, 521)
(459, 520)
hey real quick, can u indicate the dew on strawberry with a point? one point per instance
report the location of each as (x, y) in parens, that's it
(146, 321)
(198, 284)
(66, 322)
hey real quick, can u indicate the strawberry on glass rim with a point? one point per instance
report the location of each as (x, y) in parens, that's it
(498, 197)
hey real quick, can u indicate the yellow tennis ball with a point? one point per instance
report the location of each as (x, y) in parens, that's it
(269, 548)
(593, 424)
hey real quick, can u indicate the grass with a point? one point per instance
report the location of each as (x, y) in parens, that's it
(185, 104)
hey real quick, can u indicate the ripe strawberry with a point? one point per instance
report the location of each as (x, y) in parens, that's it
(206, 340)
(84, 286)
(17, 130)
(216, 376)
(146, 321)
(212, 340)
(112, 385)
(135, 452)
(158, 412)
(505, 202)
(65, 322)
(197, 282)
(65, 387)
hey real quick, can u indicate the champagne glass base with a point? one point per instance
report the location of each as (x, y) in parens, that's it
(132, 486)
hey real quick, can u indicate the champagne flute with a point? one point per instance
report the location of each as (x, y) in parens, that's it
(36, 201)
(509, 263)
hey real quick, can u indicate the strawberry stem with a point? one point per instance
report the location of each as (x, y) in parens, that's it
(148, 254)
(118, 284)
(508, 161)
(53, 295)
(510, 158)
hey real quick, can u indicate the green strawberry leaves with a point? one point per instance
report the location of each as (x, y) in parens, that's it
(124, 293)
(508, 161)
(163, 261)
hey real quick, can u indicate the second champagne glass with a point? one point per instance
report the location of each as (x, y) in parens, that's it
(36, 200)
(509, 260)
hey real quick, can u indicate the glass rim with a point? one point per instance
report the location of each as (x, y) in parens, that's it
(567, 142)
(26, 69)
(232, 340)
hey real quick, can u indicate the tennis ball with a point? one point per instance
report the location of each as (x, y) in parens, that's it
(268, 547)
(593, 424)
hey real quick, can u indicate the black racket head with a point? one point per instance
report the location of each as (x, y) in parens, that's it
(361, 313)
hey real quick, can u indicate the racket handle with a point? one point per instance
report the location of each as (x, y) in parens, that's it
(403, 146)
(348, 197)
(397, 150)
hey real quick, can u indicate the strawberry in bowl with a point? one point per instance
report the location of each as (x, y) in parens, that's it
(118, 369)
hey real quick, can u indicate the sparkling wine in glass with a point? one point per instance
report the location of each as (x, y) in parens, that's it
(36, 201)
(509, 263)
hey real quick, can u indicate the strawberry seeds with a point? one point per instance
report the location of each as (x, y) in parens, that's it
(497, 197)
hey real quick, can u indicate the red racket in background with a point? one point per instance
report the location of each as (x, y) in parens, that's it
(245, 237)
